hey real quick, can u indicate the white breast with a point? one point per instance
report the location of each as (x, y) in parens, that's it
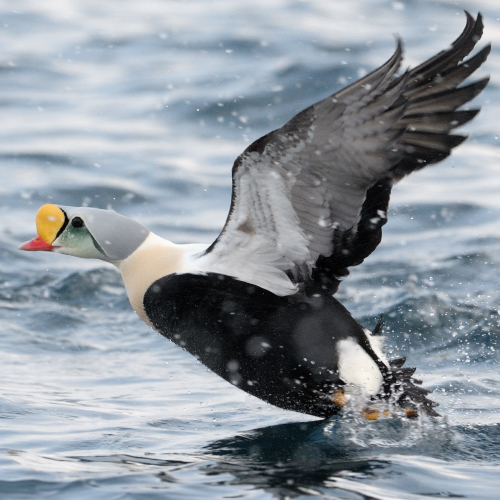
(155, 258)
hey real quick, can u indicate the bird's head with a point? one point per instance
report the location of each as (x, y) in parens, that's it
(86, 232)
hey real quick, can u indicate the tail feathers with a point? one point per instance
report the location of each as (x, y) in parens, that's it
(409, 395)
(377, 331)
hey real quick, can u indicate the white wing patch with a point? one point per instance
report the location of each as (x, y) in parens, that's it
(263, 237)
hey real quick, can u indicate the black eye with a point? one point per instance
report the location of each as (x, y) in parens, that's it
(77, 222)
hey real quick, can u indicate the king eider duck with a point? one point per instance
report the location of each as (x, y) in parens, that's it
(309, 200)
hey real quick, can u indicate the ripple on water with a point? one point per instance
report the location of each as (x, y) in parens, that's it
(116, 108)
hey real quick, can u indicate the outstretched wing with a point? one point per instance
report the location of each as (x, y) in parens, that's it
(309, 199)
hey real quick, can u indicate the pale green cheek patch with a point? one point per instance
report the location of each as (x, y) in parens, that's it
(80, 243)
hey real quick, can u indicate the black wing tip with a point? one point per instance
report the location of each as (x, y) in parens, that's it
(477, 28)
(397, 55)
(472, 90)
(429, 97)
(477, 60)
(468, 114)
(399, 44)
(479, 85)
(455, 140)
(477, 22)
(486, 50)
(476, 25)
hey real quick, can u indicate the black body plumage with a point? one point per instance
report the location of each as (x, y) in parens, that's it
(283, 350)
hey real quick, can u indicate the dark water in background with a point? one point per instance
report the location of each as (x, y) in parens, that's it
(142, 107)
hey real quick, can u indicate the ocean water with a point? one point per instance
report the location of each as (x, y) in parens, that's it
(142, 107)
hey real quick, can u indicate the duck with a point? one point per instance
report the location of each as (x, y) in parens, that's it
(309, 200)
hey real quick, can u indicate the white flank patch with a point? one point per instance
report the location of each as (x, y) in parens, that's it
(357, 368)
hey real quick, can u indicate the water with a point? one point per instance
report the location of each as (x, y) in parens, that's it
(142, 107)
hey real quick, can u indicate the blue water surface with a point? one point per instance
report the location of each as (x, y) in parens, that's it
(142, 107)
